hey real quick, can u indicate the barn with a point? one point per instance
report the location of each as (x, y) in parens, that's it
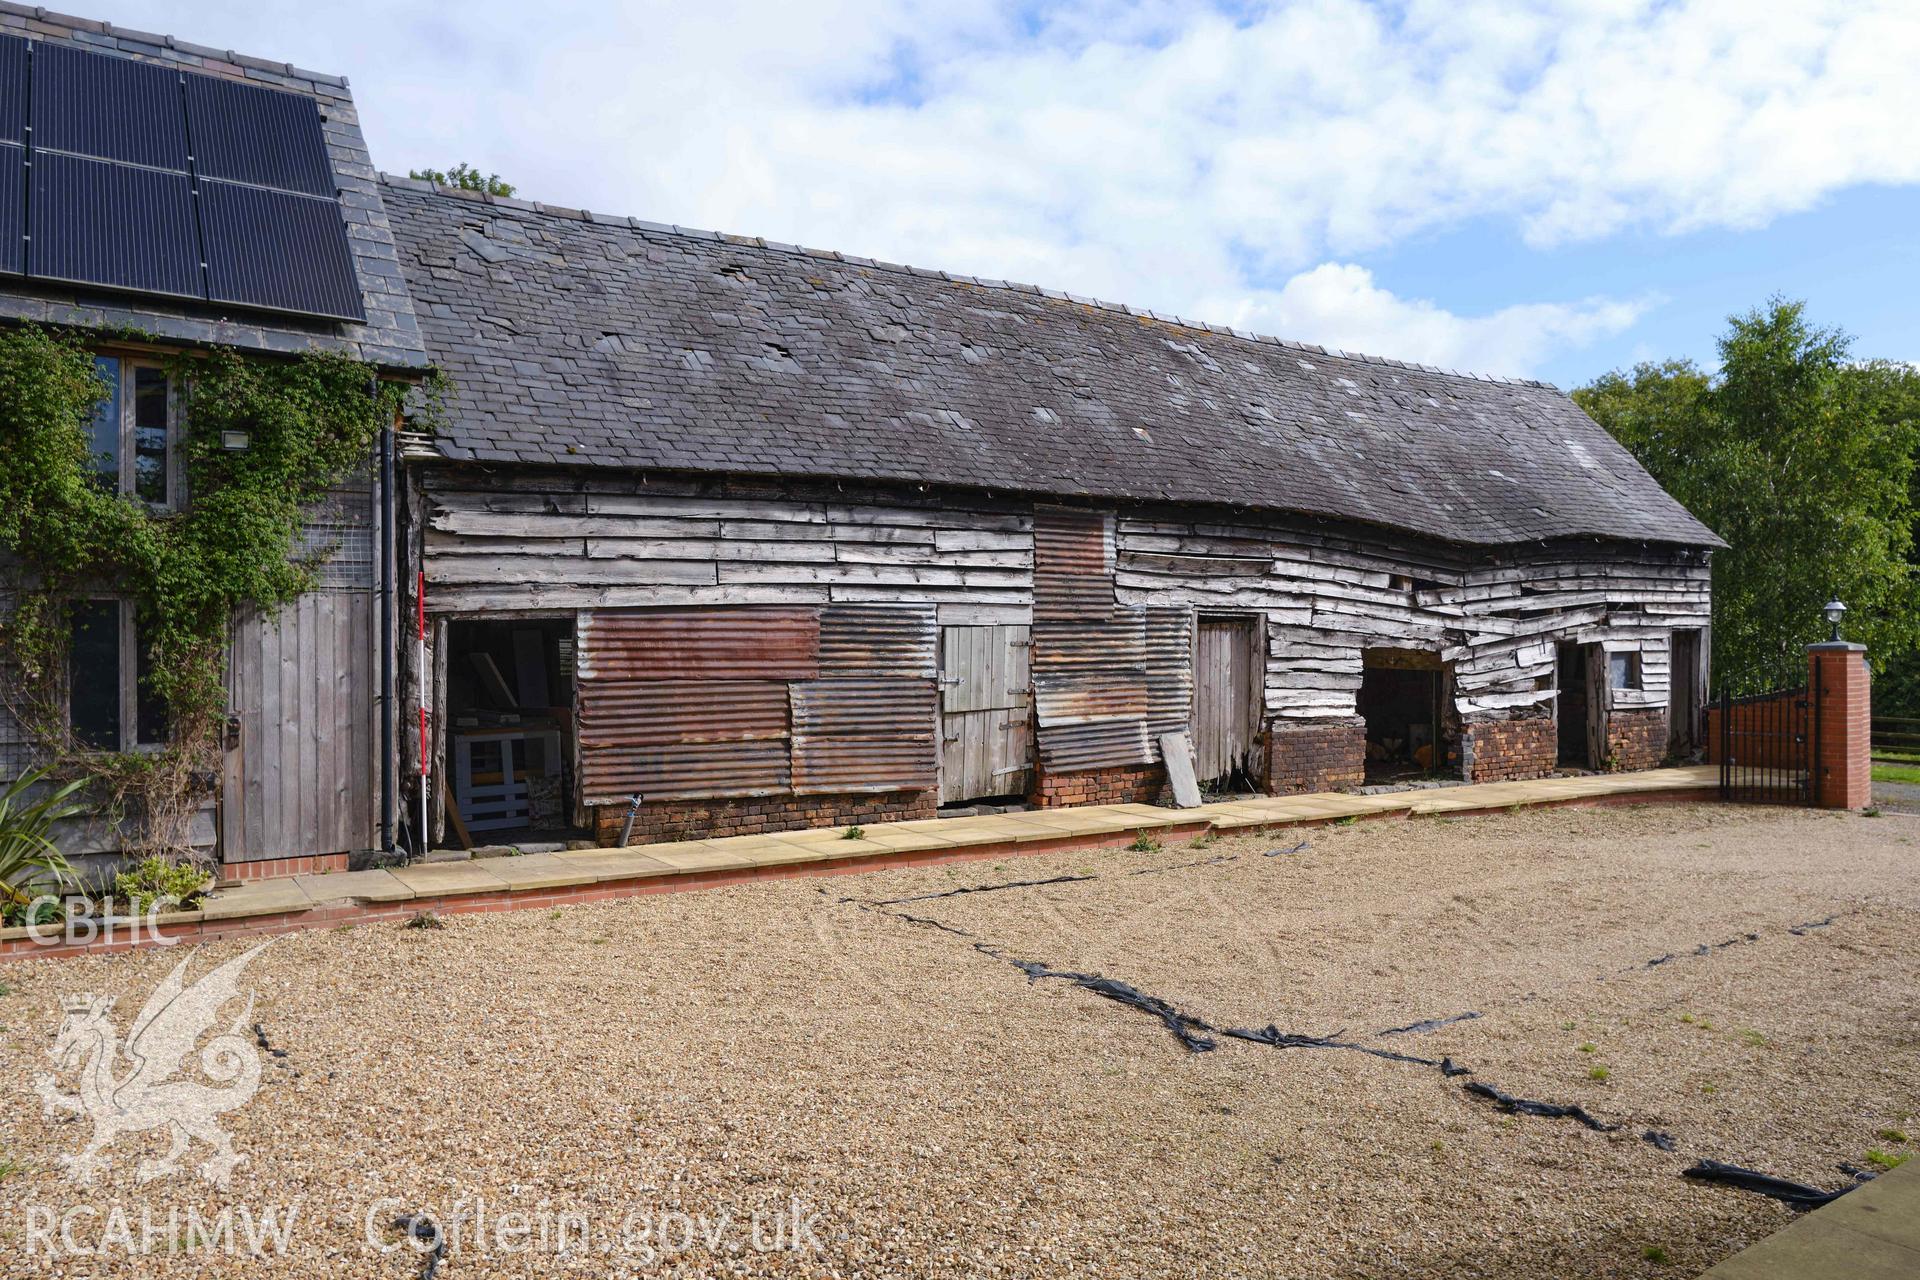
(720, 535)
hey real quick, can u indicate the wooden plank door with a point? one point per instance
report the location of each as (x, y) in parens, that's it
(986, 717)
(301, 779)
(1599, 703)
(1225, 708)
(1685, 698)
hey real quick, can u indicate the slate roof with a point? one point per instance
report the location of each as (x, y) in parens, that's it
(581, 340)
(389, 338)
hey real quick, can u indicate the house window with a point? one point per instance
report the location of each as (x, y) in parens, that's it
(1623, 670)
(134, 429)
(111, 704)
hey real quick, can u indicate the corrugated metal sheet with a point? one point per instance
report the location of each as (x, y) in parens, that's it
(863, 735)
(1072, 564)
(1090, 670)
(652, 712)
(1169, 669)
(877, 640)
(682, 740)
(1109, 743)
(741, 642)
(686, 771)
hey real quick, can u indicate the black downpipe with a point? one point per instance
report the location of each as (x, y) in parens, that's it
(387, 615)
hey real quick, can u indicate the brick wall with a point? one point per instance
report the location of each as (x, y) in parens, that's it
(707, 819)
(1505, 750)
(1315, 757)
(1636, 739)
(1129, 784)
(268, 868)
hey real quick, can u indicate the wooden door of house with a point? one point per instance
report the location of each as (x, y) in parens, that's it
(299, 778)
(1226, 716)
(986, 717)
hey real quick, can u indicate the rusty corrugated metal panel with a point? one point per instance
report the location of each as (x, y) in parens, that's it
(1093, 669)
(1109, 743)
(682, 740)
(1169, 669)
(877, 640)
(651, 712)
(1072, 564)
(863, 735)
(686, 771)
(726, 642)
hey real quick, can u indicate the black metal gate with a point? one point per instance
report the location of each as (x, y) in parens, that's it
(1766, 746)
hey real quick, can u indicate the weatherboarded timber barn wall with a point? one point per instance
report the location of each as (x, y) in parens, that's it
(756, 655)
(839, 540)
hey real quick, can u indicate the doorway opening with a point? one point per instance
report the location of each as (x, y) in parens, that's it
(510, 731)
(1227, 691)
(1686, 697)
(1581, 679)
(1402, 700)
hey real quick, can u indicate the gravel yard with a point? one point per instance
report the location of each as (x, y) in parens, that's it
(722, 1053)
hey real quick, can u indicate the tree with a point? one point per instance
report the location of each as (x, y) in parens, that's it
(466, 178)
(1802, 458)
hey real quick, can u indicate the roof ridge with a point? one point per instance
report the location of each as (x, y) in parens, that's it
(832, 255)
(144, 42)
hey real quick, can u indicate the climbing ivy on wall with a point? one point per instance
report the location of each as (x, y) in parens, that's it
(234, 544)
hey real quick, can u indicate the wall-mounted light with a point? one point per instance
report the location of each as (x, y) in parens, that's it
(1834, 611)
(237, 441)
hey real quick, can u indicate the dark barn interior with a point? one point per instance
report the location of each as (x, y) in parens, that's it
(510, 729)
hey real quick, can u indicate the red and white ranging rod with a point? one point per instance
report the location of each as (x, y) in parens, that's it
(420, 660)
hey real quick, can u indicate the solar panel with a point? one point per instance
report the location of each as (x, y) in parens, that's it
(276, 249)
(93, 222)
(262, 136)
(110, 108)
(96, 170)
(13, 179)
(13, 89)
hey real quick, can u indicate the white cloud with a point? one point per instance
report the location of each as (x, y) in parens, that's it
(1183, 159)
(1339, 305)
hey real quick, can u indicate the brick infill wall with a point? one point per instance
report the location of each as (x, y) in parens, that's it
(1510, 750)
(1636, 739)
(1303, 758)
(1129, 784)
(660, 822)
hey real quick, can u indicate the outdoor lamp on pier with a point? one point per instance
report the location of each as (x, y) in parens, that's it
(1835, 610)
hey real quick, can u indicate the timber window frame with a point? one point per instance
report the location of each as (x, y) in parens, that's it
(1625, 670)
(110, 701)
(136, 433)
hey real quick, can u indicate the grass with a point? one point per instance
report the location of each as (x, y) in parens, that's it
(1599, 1074)
(1885, 772)
(1144, 843)
(1655, 1254)
(1588, 1047)
(1884, 1160)
(1751, 1038)
(1891, 1135)
(853, 833)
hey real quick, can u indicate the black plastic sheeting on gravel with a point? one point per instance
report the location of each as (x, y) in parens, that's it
(980, 888)
(1182, 866)
(1805, 927)
(1549, 1110)
(1706, 949)
(1429, 1024)
(1797, 1194)
(421, 1227)
(1289, 851)
(1659, 1138)
(1189, 1030)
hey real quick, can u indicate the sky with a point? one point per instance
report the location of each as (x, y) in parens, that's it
(1546, 189)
